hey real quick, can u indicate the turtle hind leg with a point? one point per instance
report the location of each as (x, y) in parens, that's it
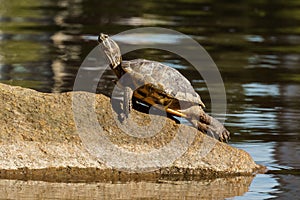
(206, 123)
(217, 130)
(214, 129)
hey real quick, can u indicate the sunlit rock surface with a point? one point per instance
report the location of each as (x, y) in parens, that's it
(39, 140)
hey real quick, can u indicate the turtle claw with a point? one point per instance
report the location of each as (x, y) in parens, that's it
(224, 136)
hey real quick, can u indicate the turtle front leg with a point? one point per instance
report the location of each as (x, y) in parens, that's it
(127, 103)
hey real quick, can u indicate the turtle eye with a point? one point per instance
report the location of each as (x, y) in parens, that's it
(102, 37)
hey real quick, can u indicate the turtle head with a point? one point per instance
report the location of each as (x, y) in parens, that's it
(111, 50)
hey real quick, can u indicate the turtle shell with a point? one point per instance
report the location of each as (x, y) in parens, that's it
(161, 79)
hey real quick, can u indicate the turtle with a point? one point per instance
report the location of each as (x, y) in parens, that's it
(156, 84)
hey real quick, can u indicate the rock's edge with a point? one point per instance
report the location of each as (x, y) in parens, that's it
(75, 174)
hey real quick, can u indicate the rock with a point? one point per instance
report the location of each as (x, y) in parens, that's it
(57, 136)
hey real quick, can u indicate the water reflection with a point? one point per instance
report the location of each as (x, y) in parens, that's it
(258, 89)
(266, 184)
(255, 44)
(163, 189)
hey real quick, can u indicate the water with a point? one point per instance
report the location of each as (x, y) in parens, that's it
(255, 44)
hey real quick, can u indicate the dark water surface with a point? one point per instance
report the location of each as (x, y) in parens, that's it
(255, 44)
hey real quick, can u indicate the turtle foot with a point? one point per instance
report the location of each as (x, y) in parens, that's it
(214, 129)
(218, 130)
